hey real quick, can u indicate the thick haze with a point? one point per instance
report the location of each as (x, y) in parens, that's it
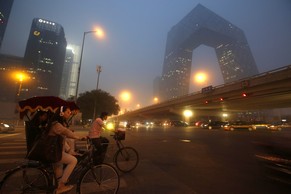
(132, 54)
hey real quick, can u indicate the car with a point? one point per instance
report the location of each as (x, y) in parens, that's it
(215, 125)
(278, 126)
(275, 127)
(238, 125)
(204, 125)
(6, 128)
(178, 123)
(198, 123)
(260, 125)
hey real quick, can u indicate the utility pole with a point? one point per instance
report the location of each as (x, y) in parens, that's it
(98, 69)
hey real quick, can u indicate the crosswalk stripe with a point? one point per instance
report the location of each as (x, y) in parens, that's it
(13, 152)
(16, 152)
(14, 147)
(8, 135)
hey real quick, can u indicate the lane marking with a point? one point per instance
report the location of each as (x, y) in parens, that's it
(8, 135)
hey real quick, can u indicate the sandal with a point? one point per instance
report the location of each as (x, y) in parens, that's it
(62, 188)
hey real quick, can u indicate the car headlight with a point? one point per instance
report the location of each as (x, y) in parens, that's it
(6, 125)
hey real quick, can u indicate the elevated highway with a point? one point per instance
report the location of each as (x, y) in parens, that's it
(264, 91)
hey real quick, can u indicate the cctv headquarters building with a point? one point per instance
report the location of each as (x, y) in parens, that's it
(202, 26)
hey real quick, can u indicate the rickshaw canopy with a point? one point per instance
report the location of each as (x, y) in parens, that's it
(44, 103)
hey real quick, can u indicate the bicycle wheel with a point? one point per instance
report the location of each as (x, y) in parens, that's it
(101, 179)
(25, 179)
(126, 159)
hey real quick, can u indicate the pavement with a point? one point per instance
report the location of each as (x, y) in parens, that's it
(147, 178)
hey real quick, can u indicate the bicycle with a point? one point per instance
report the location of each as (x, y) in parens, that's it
(37, 177)
(125, 158)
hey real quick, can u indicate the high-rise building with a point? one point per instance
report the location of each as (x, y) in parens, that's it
(70, 72)
(44, 57)
(202, 26)
(5, 8)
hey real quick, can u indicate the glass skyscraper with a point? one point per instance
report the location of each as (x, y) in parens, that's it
(5, 8)
(44, 57)
(70, 72)
(202, 26)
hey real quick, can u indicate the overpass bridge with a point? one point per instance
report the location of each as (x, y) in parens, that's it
(264, 91)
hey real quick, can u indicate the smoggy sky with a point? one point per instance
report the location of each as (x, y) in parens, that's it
(132, 53)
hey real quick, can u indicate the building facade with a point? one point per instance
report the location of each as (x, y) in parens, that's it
(202, 26)
(70, 72)
(5, 9)
(44, 57)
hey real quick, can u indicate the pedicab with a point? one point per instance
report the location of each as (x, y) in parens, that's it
(36, 111)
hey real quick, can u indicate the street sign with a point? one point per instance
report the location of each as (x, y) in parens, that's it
(207, 89)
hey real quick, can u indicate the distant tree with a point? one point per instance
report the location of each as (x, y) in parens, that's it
(99, 101)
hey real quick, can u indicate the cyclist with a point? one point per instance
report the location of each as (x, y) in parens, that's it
(98, 141)
(57, 126)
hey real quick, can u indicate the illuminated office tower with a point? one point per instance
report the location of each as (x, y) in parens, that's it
(202, 26)
(44, 57)
(70, 72)
(5, 8)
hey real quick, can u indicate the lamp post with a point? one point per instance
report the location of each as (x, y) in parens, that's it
(99, 33)
(20, 77)
(20, 86)
(80, 64)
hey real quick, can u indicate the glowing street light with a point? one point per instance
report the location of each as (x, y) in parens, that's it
(224, 116)
(200, 77)
(99, 33)
(156, 99)
(20, 77)
(125, 96)
(187, 114)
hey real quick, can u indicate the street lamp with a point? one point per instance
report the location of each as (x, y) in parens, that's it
(99, 33)
(187, 114)
(20, 77)
(156, 100)
(125, 96)
(200, 77)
